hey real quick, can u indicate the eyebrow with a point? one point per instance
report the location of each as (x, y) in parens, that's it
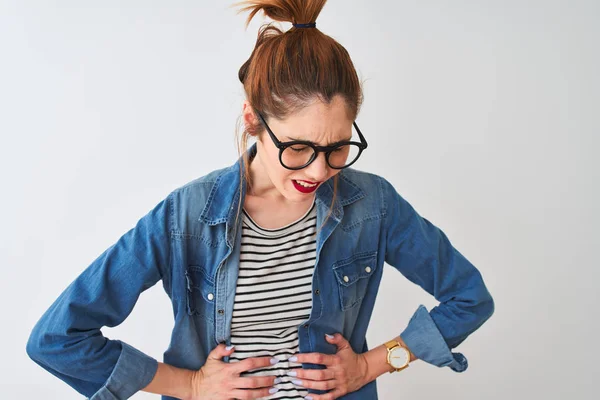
(329, 144)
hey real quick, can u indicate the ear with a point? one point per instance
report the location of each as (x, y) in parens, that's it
(248, 114)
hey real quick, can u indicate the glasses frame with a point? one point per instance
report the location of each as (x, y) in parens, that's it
(317, 149)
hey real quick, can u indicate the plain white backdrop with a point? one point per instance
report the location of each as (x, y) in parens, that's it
(483, 114)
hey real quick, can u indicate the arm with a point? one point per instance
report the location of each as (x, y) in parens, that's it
(376, 364)
(67, 340)
(425, 256)
(172, 381)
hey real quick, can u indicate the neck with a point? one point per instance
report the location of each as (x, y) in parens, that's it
(262, 186)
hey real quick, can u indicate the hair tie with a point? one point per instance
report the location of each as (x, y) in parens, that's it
(309, 25)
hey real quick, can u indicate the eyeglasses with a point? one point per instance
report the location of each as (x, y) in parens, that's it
(298, 154)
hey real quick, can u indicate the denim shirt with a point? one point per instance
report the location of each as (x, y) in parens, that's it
(190, 241)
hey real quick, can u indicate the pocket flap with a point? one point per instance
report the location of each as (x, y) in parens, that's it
(361, 265)
(196, 279)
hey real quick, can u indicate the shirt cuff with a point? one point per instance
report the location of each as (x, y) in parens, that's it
(133, 371)
(425, 341)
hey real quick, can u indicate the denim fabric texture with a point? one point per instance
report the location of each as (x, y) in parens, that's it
(190, 242)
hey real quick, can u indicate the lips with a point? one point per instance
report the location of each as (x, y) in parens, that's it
(306, 183)
(305, 186)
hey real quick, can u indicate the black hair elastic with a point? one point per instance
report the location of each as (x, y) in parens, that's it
(310, 25)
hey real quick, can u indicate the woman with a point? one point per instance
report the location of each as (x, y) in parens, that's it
(272, 264)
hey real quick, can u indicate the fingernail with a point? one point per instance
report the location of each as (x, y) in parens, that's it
(329, 336)
(297, 382)
(274, 361)
(293, 359)
(277, 380)
(292, 373)
(229, 347)
(308, 398)
(273, 390)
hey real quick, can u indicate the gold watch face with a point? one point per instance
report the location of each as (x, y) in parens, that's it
(398, 357)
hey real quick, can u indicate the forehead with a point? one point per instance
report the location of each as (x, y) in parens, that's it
(319, 123)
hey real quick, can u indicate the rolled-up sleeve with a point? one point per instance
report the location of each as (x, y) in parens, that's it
(67, 340)
(425, 256)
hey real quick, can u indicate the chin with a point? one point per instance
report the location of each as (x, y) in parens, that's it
(296, 197)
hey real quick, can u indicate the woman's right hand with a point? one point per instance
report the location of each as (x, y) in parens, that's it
(218, 380)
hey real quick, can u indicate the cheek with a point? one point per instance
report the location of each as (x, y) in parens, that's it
(283, 175)
(276, 171)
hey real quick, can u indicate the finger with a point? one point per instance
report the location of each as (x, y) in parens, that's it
(254, 363)
(253, 382)
(252, 393)
(313, 374)
(339, 340)
(334, 394)
(314, 358)
(220, 351)
(321, 385)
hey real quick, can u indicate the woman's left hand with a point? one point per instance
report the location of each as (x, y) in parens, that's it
(346, 371)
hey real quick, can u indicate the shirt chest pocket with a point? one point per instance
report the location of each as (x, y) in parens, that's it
(353, 275)
(200, 294)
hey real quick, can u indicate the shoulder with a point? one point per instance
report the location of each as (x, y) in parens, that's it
(366, 180)
(189, 200)
(371, 184)
(375, 188)
(202, 182)
(201, 186)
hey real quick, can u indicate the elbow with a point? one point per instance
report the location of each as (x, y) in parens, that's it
(483, 303)
(40, 347)
(35, 348)
(487, 307)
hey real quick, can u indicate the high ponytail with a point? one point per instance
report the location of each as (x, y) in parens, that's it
(294, 11)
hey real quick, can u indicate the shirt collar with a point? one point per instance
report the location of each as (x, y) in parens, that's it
(224, 195)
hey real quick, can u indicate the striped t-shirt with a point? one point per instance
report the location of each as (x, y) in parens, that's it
(274, 296)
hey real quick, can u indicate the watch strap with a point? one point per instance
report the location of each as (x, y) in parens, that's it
(390, 344)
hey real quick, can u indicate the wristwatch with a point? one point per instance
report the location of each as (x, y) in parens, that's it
(398, 356)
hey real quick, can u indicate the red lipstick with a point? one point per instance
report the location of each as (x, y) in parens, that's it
(305, 189)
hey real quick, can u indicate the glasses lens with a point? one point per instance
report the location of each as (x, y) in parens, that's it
(297, 155)
(344, 155)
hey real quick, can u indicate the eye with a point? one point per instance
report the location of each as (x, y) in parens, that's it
(298, 149)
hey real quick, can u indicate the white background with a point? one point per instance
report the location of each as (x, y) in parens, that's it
(481, 113)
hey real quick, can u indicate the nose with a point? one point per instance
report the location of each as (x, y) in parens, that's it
(318, 170)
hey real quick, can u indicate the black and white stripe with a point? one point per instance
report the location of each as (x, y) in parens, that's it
(273, 296)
